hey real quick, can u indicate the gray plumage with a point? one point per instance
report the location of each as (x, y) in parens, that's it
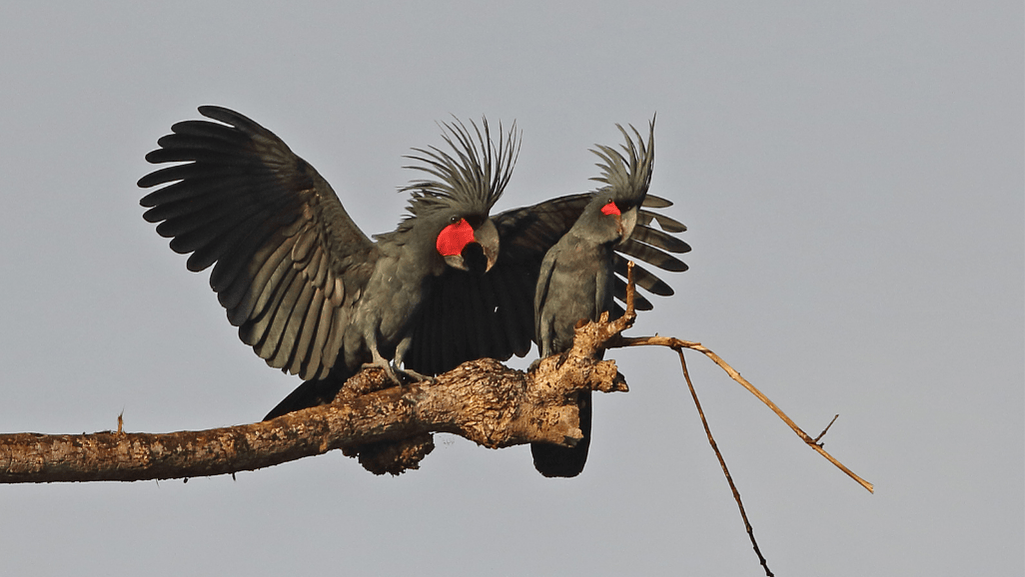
(576, 280)
(308, 290)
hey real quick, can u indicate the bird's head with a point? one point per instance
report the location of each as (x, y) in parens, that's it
(626, 180)
(460, 190)
(468, 243)
(603, 221)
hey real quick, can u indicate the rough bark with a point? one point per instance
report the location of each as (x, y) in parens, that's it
(388, 427)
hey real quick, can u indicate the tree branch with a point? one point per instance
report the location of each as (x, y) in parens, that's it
(389, 428)
(722, 464)
(679, 345)
(481, 400)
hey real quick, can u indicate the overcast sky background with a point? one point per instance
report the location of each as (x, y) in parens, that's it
(852, 176)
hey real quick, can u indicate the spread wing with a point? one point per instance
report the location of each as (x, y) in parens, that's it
(288, 262)
(471, 316)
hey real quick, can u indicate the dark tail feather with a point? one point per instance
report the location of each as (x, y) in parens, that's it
(306, 395)
(558, 461)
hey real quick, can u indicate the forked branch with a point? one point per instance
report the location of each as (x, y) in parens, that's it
(679, 345)
(481, 400)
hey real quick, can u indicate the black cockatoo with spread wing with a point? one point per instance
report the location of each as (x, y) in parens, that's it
(576, 279)
(308, 290)
(314, 296)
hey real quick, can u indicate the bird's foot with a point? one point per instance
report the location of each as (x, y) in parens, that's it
(397, 375)
(385, 366)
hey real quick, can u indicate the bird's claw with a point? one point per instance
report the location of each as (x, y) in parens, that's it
(385, 366)
(396, 374)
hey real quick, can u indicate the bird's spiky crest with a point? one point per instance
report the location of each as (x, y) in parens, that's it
(627, 180)
(473, 179)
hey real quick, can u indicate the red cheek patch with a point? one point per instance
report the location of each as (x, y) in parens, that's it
(610, 209)
(454, 237)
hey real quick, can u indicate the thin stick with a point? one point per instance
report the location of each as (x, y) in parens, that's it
(722, 463)
(678, 344)
(824, 431)
(630, 288)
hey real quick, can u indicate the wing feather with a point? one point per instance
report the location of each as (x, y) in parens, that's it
(651, 255)
(282, 247)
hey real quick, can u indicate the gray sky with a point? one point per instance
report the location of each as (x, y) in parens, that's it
(852, 177)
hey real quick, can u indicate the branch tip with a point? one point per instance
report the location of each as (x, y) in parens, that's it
(823, 433)
(679, 344)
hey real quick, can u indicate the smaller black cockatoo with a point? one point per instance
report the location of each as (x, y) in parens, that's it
(577, 277)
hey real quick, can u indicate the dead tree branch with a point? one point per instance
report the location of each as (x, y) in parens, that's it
(722, 464)
(481, 400)
(679, 345)
(389, 428)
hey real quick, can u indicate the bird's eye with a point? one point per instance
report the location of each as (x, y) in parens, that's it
(453, 219)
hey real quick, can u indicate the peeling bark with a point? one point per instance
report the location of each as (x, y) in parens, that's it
(388, 427)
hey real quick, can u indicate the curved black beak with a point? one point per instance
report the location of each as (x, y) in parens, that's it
(486, 236)
(482, 253)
